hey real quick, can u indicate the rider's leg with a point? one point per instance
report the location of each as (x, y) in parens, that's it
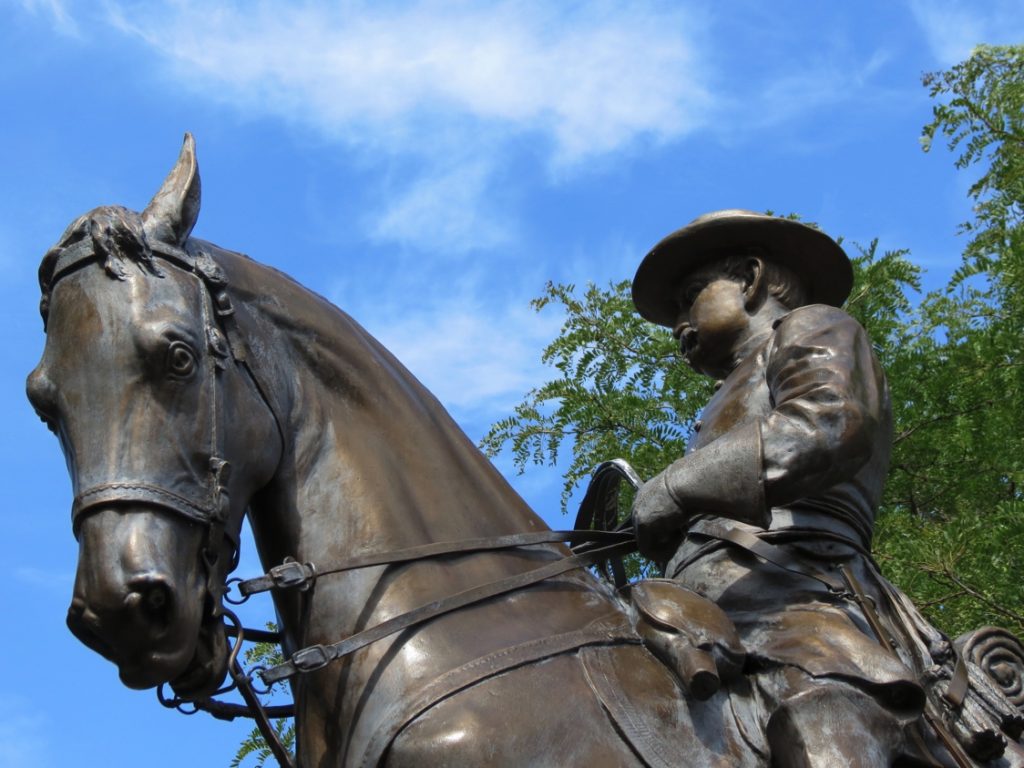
(831, 724)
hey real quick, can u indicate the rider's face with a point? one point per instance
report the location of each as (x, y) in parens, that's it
(713, 321)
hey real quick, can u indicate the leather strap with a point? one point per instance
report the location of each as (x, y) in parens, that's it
(770, 553)
(293, 574)
(407, 709)
(316, 657)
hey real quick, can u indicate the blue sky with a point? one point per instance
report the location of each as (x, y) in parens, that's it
(427, 166)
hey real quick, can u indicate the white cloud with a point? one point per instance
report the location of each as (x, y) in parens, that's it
(443, 212)
(478, 354)
(56, 10)
(451, 88)
(457, 95)
(954, 27)
(592, 78)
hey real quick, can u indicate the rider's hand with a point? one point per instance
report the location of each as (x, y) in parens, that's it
(659, 520)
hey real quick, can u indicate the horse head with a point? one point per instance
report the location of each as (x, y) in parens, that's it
(164, 429)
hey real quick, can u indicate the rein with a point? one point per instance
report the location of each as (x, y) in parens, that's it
(589, 548)
(593, 548)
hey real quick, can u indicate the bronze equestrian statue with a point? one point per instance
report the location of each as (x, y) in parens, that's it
(427, 616)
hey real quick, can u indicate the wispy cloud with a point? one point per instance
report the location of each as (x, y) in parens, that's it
(465, 98)
(954, 27)
(590, 77)
(786, 94)
(451, 89)
(448, 211)
(477, 351)
(56, 10)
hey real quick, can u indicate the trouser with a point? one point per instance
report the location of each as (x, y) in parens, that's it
(828, 723)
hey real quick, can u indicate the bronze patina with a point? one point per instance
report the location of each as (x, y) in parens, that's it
(427, 615)
(189, 385)
(770, 513)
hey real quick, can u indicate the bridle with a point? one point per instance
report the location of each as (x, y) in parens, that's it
(212, 510)
(208, 504)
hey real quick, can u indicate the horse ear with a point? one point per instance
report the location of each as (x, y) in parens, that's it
(173, 211)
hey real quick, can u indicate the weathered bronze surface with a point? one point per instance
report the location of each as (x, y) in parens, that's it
(770, 513)
(189, 386)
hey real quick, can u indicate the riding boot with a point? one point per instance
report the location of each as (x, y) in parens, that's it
(833, 725)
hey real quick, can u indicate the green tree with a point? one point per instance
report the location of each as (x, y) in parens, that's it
(980, 110)
(618, 392)
(949, 528)
(952, 530)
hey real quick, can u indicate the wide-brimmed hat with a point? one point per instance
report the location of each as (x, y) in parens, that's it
(815, 257)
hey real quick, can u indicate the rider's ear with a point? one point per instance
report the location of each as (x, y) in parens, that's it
(754, 284)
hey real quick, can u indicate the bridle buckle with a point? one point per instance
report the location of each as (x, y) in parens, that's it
(311, 658)
(293, 574)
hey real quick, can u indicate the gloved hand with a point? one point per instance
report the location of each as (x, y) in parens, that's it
(660, 521)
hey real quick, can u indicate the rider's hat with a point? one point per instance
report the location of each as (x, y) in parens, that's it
(815, 257)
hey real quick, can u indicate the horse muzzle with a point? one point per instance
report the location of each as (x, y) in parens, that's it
(140, 591)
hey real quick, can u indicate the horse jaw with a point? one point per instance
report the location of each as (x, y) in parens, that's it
(206, 672)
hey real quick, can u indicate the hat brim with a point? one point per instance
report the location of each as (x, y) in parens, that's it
(817, 259)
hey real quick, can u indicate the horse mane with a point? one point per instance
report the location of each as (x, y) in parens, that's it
(380, 399)
(118, 238)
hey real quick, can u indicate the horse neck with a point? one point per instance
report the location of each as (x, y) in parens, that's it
(372, 460)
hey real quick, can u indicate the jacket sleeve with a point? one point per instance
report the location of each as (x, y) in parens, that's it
(827, 397)
(828, 394)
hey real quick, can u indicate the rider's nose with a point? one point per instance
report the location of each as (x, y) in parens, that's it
(686, 335)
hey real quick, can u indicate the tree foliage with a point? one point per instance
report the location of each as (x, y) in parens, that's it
(950, 527)
(951, 532)
(980, 111)
(617, 392)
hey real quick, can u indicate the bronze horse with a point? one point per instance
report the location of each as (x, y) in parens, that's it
(188, 386)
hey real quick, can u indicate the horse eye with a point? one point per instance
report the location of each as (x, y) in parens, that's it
(181, 360)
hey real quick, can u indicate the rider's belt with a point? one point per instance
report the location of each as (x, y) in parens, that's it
(764, 550)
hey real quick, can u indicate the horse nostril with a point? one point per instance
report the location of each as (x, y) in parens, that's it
(152, 600)
(157, 599)
(85, 625)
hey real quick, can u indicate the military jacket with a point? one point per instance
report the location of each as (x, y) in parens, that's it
(794, 447)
